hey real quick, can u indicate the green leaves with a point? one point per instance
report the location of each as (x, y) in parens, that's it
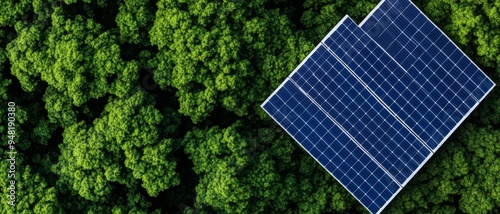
(75, 58)
(32, 191)
(471, 24)
(246, 170)
(4, 82)
(98, 142)
(482, 191)
(13, 10)
(320, 16)
(133, 20)
(213, 52)
(122, 146)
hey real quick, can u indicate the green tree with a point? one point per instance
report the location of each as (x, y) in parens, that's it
(134, 19)
(465, 172)
(32, 192)
(472, 24)
(319, 17)
(253, 170)
(481, 192)
(75, 58)
(121, 147)
(97, 143)
(12, 10)
(218, 53)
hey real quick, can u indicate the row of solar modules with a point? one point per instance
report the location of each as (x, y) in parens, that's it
(446, 85)
(370, 113)
(331, 147)
(325, 108)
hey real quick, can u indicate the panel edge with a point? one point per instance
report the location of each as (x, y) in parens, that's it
(371, 13)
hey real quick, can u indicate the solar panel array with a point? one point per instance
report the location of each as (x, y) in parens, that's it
(448, 83)
(372, 103)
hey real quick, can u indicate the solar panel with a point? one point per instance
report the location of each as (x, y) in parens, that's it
(342, 97)
(371, 105)
(446, 83)
(408, 97)
(331, 147)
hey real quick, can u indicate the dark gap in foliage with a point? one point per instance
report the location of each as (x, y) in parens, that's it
(454, 203)
(14, 89)
(175, 199)
(296, 15)
(106, 15)
(293, 10)
(51, 151)
(147, 82)
(69, 200)
(185, 126)
(489, 71)
(298, 151)
(95, 108)
(55, 140)
(165, 98)
(153, 49)
(130, 51)
(74, 9)
(183, 6)
(220, 117)
(32, 17)
(120, 191)
(355, 208)
(153, 8)
(271, 5)
(9, 35)
(110, 79)
(196, 87)
(102, 15)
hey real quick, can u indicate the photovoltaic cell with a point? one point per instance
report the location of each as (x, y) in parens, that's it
(350, 104)
(450, 83)
(389, 81)
(332, 148)
(372, 103)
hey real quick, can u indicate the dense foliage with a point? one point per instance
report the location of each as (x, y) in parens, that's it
(141, 106)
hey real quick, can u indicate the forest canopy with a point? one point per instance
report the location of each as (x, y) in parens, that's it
(144, 106)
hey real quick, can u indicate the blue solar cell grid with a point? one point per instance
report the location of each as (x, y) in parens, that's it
(389, 81)
(333, 149)
(349, 103)
(450, 84)
(372, 103)
(416, 96)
